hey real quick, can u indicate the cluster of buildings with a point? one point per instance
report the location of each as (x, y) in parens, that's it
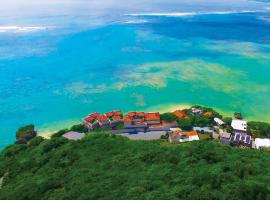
(109, 119)
(133, 119)
(239, 135)
(143, 125)
(149, 126)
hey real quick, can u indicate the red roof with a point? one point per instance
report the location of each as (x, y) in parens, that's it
(109, 114)
(116, 118)
(180, 114)
(208, 113)
(136, 114)
(127, 119)
(117, 113)
(152, 116)
(102, 118)
(91, 117)
(140, 114)
(114, 113)
(132, 114)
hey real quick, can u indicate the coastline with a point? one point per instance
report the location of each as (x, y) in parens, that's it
(49, 129)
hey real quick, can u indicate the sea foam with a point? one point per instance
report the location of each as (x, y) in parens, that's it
(140, 21)
(183, 14)
(18, 29)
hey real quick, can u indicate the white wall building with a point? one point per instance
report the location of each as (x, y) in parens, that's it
(239, 125)
(219, 121)
(259, 143)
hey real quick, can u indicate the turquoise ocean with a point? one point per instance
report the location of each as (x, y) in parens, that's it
(156, 61)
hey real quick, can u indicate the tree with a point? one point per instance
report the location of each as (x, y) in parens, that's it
(238, 115)
(185, 124)
(26, 133)
(227, 120)
(79, 128)
(259, 129)
(168, 117)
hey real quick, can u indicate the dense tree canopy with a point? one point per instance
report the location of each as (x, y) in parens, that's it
(259, 129)
(26, 133)
(110, 167)
(168, 117)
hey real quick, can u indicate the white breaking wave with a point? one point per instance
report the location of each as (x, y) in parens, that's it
(175, 14)
(141, 21)
(183, 14)
(16, 29)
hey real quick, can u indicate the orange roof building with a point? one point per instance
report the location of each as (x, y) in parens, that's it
(208, 114)
(152, 116)
(127, 119)
(177, 135)
(114, 113)
(102, 118)
(91, 117)
(190, 133)
(115, 116)
(180, 114)
(142, 118)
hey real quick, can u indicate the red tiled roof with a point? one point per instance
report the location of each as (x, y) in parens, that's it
(117, 113)
(136, 114)
(152, 116)
(127, 119)
(190, 133)
(140, 114)
(187, 133)
(115, 118)
(180, 114)
(114, 113)
(102, 118)
(131, 114)
(109, 114)
(92, 116)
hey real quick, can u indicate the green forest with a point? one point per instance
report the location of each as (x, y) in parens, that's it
(104, 166)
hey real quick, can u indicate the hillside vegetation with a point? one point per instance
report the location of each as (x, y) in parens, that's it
(110, 167)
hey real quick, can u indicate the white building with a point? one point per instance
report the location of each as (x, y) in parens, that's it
(177, 135)
(219, 121)
(259, 143)
(196, 111)
(239, 125)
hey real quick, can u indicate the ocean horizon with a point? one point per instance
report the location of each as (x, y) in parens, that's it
(53, 76)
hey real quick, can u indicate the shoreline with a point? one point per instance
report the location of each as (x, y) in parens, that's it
(47, 130)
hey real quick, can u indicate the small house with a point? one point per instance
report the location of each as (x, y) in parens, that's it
(180, 114)
(177, 135)
(241, 139)
(239, 125)
(103, 121)
(197, 111)
(225, 138)
(219, 122)
(127, 120)
(152, 118)
(262, 143)
(115, 116)
(90, 118)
